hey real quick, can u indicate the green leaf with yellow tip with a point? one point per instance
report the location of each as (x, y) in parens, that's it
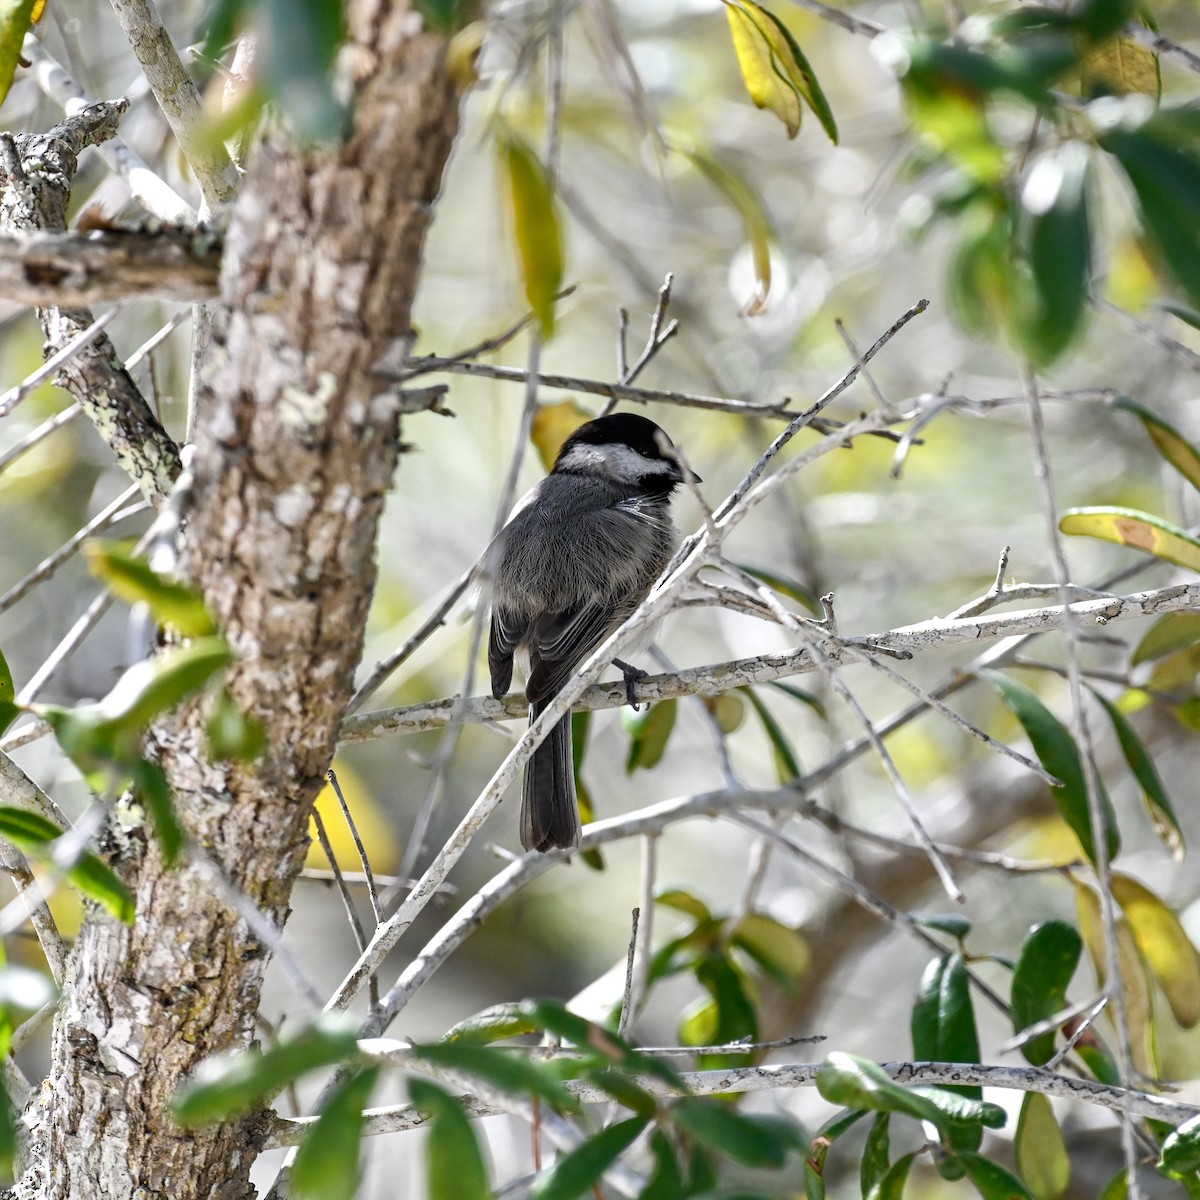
(776, 72)
(1130, 527)
(536, 227)
(172, 604)
(1171, 444)
(1165, 946)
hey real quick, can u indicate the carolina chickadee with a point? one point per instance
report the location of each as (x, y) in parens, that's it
(579, 554)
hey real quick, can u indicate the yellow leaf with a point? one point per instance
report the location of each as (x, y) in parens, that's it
(1123, 67)
(536, 227)
(1040, 1149)
(552, 425)
(1128, 527)
(776, 72)
(16, 16)
(373, 827)
(1164, 945)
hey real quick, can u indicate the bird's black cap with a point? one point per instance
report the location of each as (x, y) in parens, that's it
(622, 429)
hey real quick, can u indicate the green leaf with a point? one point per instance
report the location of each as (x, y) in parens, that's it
(992, 1181)
(649, 733)
(8, 1133)
(876, 1153)
(579, 1171)
(621, 1087)
(8, 692)
(776, 73)
(1164, 945)
(36, 835)
(890, 1185)
(233, 734)
(1166, 179)
(1154, 794)
(492, 1024)
(1180, 1154)
(957, 927)
(785, 586)
(444, 16)
(787, 767)
(1172, 632)
(943, 1029)
(1057, 232)
(509, 1073)
(800, 694)
(1056, 750)
(229, 1084)
(1044, 970)
(173, 605)
(666, 1183)
(1040, 1148)
(295, 63)
(327, 1162)
(1171, 444)
(1142, 531)
(150, 782)
(536, 227)
(1189, 316)
(9, 712)
(739, 1136)
(779, 949)
(452, 1154)
(736, 1015)
(16, 18)
(756, 220)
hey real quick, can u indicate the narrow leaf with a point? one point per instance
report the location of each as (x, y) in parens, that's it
(890, 1185)
(1154, 794)
(1040, 1148)
(579, 1171)
(452, 1154)
(992, 1181)
(16, 17)
(150, 782)
(509, 1073)
(787, 766)
(1180, 1154)
(1056, 750)
(8, 692)
(650, 732)
(327, 1163)
(1142, 531)
(730, 1132)
(536, 227)
(1172, 632)
(876, 1153)
(172, 604)
(685, 902)
(1171, 444)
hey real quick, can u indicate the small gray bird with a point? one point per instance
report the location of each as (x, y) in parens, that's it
(579, 554)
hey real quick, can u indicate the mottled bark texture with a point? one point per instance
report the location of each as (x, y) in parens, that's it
(38, 170)
(296, 446)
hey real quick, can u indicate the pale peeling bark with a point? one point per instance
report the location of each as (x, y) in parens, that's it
(296, 446)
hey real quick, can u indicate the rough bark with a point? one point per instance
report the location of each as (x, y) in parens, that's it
(295, 449)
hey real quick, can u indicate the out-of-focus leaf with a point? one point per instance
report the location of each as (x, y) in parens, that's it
(752, 209)
(624, 1090)
(456, 1170)
(150, 782)
(1056, 750)
(728, 710)
(1180, 1154)
(444, 16)
(1045, 967)
(779, 949)
(326, 1166)
(685, 902)
(8, 691)
(876, 1154)
(1142, 531)
(736, 1134)
(957, 927)
(1165, 946)
(789, 689)
(1040, 1149)
(1121, 67)
(787, 767)
(776, 72)
(790, 588)
(1139, 1012)
(649, 733)
(1166, 178)
(536, 227)
(509, 1073)
(88, 874)
(229, 1084)
(992, 1181)
(16, 18)
(8, 1133)
(578, 1172)
(1171, 444)
(552, 425)
(943, 1029)
(492, 1024)
(737, 1017)
(1117, 1188)
(231, 732)
(982, 274)
(1057, 231)
(172, 604)
(666, 1182)
(295, 64)
(890, 1185)
(1154, 794)
(1174, 631)
(1189, 316)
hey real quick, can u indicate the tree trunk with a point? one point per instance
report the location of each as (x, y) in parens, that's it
(295, 450)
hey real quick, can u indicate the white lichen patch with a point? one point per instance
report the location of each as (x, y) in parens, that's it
(299, 408)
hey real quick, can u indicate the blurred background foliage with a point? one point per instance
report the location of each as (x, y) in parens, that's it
(1033, 172)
